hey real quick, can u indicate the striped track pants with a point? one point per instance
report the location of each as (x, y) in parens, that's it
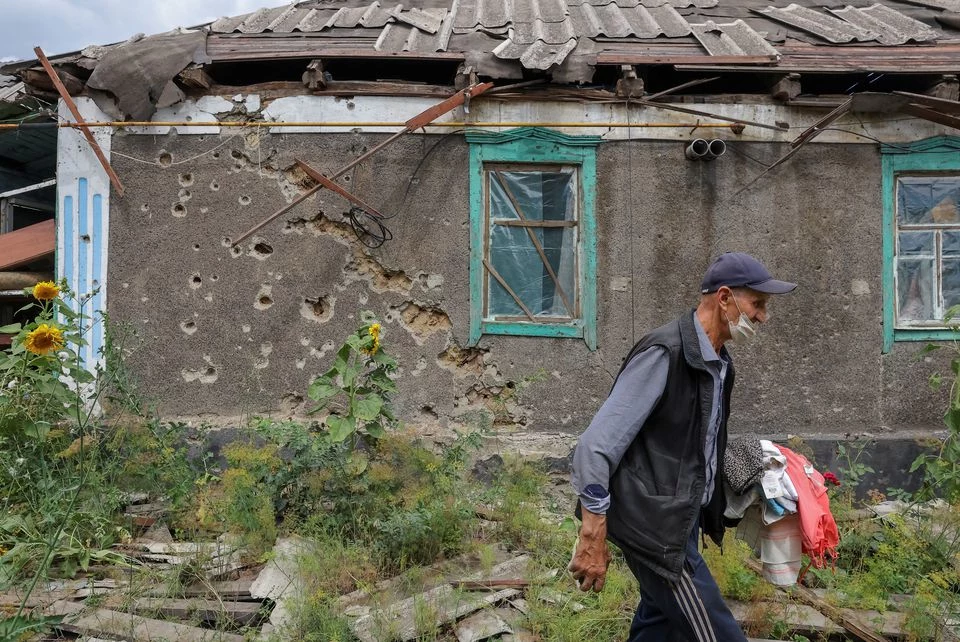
(690, 610)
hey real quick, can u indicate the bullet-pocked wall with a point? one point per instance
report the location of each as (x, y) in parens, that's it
(236, 331)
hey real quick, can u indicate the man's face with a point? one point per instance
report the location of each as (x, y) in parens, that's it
(750, 302)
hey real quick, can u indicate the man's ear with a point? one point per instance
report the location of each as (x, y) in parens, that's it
(723, 295)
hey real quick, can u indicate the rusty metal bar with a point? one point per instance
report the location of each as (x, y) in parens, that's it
(918, 111)
(686, 85)
(418, 121)
(943, 104)
(509, 290)
(535, 241)
(815, 129)
(333, 187)
(72, 106)
(808, 134)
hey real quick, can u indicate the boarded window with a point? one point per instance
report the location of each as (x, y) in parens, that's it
(532, 244)
(927, 268)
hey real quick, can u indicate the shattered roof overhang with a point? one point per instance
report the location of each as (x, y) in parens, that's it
(546, 34)
(566, 38)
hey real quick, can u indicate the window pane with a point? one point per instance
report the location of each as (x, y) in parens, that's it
(916, 244)
(951, 283)
(540, 196)
(516, 260)
(915, 293)
(927, 199)
(951, 244)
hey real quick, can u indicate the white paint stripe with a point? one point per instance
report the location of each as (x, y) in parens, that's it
(686, 606)
(702, 607)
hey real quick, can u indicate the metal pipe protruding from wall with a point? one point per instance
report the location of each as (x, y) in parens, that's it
(716, 148)
(697, 149)
(704, 150)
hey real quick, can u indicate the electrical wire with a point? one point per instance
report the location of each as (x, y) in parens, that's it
(368, 228)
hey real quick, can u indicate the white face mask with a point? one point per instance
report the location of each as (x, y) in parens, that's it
(744, 329)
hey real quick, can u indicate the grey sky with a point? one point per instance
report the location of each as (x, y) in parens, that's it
(60, 26)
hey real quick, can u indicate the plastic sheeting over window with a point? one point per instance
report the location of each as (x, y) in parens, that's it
(928, 249)
(532, 243)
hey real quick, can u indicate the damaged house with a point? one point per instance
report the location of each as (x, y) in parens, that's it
(266, 178)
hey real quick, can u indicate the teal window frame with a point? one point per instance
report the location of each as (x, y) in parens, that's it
(535, 146)
(930, 156)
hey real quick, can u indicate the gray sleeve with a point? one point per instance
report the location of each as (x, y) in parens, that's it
(616, 425)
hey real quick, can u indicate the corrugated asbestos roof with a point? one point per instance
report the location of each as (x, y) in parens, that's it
(543, 34)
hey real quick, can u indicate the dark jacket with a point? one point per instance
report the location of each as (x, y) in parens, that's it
(657, 490)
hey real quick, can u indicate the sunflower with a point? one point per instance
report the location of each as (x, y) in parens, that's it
(46, 291)
(374, 332)
(44, 339)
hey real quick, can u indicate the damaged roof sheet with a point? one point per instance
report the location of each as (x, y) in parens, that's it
(566, 37)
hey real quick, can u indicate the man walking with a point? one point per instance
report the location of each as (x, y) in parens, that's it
(647, 469)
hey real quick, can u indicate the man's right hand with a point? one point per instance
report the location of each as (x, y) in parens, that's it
(591, 557)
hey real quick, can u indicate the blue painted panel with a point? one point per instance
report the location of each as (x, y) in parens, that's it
(97, 237)
(83, 230)
(66, 260)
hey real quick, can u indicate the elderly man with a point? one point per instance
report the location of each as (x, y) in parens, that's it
(647, 468)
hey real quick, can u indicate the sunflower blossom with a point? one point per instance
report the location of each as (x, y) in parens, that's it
(374, 332)
(44, 339)
(46, 291)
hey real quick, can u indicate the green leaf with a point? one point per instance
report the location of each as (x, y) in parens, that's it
(341, 427)
(374, 429)
(357, 464)
(952, 419)
(384, 359)
(36, 430)
(380, 379)
(355, 342)
(12, 328)
(366, 408)
(322, 389)
(343, 357)
(936, 380)
(350, 373)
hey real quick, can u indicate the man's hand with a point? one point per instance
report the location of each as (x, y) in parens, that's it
(591, 557)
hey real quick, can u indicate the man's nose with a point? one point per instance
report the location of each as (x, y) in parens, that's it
(761, 317)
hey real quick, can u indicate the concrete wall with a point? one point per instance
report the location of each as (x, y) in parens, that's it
(226, 333)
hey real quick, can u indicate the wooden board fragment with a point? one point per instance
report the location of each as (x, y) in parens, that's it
(27, 244)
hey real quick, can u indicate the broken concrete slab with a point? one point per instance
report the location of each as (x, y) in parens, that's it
(482, 625)
(118, 626)
(405, 619)
(280, 579)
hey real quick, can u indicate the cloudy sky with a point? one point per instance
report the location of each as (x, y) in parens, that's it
(61, 26)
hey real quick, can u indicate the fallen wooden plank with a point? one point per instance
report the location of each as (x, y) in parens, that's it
(134, 628)
(243, 613)
(27, 244)
(493, 584)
